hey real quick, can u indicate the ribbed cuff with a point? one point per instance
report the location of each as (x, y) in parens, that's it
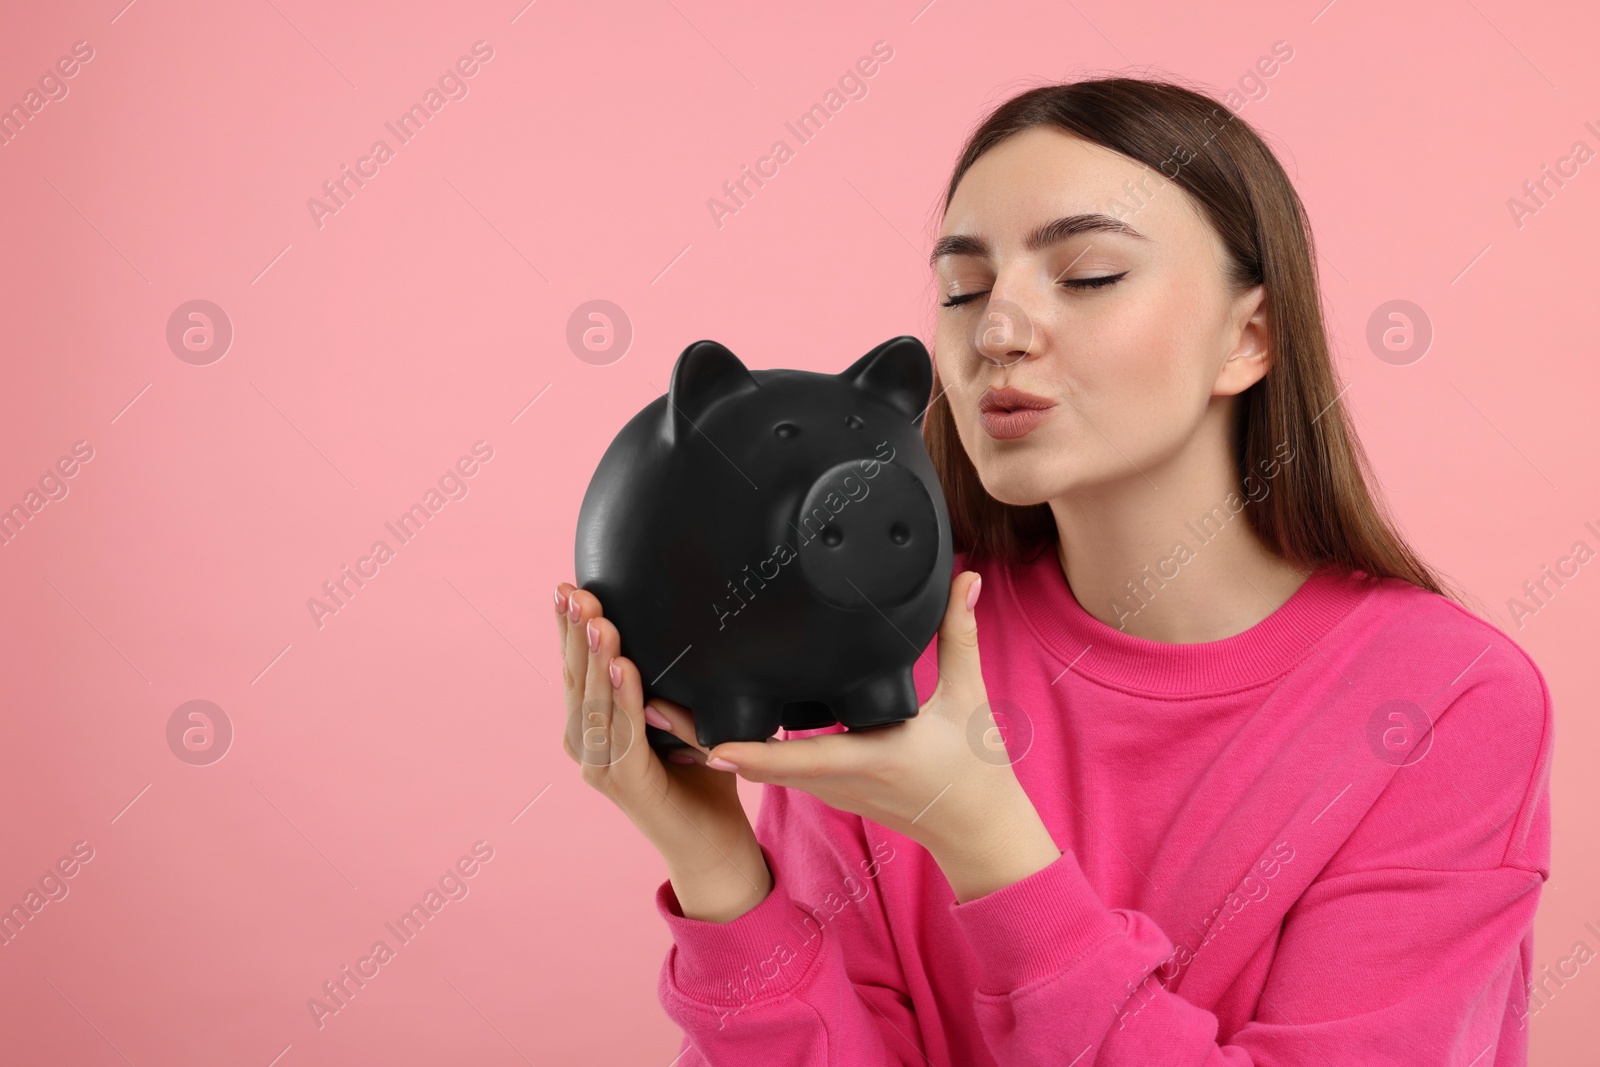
(1035, 927)
(760, 954)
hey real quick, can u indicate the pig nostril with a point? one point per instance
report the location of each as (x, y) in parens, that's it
(854, 422)
(786, 429)
(899, 534)
(832, 536)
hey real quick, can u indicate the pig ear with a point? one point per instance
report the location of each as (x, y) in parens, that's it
(705, 373)
(898, 372)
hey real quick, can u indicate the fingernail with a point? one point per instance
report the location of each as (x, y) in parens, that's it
(616, 675)
(656, 719)
(594, 636)
(972, 593)
(721, 764)
(572, 608)
(678, 755)
(561, 603)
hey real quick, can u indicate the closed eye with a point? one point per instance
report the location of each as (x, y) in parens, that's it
(1073, 283)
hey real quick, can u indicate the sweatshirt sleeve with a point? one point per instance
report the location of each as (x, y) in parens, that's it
(1413, 946)
(1380, 967)
(809, 976)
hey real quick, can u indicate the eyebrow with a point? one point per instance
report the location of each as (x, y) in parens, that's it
(965, 244)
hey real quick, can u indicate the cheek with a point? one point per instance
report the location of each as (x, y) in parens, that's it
(958, 370)
(1140, 369)
(952, 349)
(1158, 347)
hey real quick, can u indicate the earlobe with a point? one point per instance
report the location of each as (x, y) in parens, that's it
(1240, 371)
(1251, 357)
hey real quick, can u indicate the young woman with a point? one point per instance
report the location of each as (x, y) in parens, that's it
(1212, 772)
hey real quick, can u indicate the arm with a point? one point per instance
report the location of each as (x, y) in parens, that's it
(1385, 966)
(775, 984)
(781, 985)
(1412, 946)
(809, 975)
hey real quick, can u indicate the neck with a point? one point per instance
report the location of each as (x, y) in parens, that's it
(1168, 553)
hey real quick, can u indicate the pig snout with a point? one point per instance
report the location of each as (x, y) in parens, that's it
(868, 540)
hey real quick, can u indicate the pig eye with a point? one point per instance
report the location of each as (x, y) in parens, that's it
(854, 422)
(786, 429)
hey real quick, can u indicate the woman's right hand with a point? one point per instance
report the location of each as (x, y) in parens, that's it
(691, 813)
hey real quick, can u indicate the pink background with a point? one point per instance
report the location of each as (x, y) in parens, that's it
(369, 353)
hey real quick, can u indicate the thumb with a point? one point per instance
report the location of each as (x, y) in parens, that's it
(958, 634)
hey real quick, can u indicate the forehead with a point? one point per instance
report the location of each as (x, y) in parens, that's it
(1044, 172)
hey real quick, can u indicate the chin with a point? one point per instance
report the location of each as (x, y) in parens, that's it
(1019, 486)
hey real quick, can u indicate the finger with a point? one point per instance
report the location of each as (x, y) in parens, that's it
(679, 721)
(958, 634)
(563, 591)
(575, 666)
(569, 730)
(798, 759)
(628, 698)
(582, 606)
(607, 737)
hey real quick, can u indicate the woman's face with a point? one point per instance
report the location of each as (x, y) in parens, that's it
(1082, 277)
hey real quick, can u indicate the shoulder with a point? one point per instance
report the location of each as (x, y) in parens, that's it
(1475, 792)
(1490, 688)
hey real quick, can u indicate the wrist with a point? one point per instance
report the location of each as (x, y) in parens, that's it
(725, 889)
(1011, 843)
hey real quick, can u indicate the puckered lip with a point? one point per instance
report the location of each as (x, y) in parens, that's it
(1009, 399)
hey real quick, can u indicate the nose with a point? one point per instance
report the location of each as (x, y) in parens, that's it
(867, 541)
(1003, 334)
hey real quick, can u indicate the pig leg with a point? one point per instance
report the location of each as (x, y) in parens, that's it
(880, 700)
(736, 717)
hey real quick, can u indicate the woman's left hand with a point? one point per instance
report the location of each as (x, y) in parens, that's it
(928, 777)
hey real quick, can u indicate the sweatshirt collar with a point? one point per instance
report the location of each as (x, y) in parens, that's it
(1265, 651)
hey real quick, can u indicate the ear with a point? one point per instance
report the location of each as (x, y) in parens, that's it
(705, 373)
(898, 372)
(1251, 356)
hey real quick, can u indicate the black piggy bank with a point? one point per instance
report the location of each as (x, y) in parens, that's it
(773, 545)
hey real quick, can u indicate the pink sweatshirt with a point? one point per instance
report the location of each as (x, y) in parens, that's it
(1269, 856)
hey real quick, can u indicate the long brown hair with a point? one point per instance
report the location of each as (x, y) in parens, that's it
(1320, 509)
